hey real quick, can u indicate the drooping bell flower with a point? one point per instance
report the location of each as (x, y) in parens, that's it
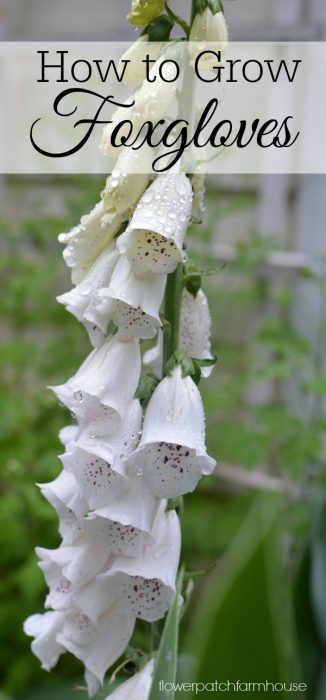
(172, 452)
(154, 239)
(128, 180)
(82, 300)
(86, 242)
(110, 374)
(135, 72)
(195, 331)
(144, 585)
(98, 646)
(133, 302)
(209, 33)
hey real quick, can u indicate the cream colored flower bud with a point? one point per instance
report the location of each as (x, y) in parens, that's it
(143, 12)
(136, 55)
(209, 32)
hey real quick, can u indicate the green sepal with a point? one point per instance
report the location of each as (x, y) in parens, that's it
(208, 362)
(147, 385)
(189, 367)
(160, 29)
(214, 5)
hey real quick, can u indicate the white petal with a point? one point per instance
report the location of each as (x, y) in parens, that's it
(125, 525)
(110, 437)
(85, 242)
(45, 628)
(98, 647)
(154, 239)
(144, 292)
(195, 327)
(172, 449)
(68, 434)
(61, 591)
(143, 586)
(136, 688)
(110, 373)
(78, 564)
(82, 300)
(62, 493)
(98, 483)
(136, 55)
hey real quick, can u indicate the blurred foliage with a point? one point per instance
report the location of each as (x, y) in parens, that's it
(264, 411)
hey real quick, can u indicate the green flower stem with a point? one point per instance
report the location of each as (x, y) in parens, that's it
(172, 312)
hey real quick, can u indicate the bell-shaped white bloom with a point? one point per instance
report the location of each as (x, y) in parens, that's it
(195, 330)
(108, 435)
(154, 239)
(132, 302)
(45, 629)
(64, 496)
(135, 71)
(125, 525)
(85, 242)
(151, 102)
(77, 564)
(82, 300)
(110, 373)
(98, 483)
(172, 451)
(143, 586)
(128, 181)
(143, 12)
(137, 687)
(209, 33)
(195, 327)
(99, 645)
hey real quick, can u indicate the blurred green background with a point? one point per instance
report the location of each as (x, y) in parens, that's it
(258, 527)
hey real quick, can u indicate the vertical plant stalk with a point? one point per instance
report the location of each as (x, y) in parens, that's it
(172, 312)
(173, 293)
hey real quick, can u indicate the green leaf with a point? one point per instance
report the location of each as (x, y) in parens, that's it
(310, 647)
(167, 657)
(147, 384)
(243, 629)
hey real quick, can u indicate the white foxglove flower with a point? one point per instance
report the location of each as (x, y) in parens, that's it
(128, 180)
(143, 12)
(142, 586)
(110, 373)
(97, 646)
(77, 564)
(98, 483)
(172, 451)
(154, 239)
(45, 628)
(152, 102)
(137, 687)
(63, 495)
(133, 302)
(195, 328)
(108, 436)
(82, 300)
(85, 242)
(136, 55)
(209, 32)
